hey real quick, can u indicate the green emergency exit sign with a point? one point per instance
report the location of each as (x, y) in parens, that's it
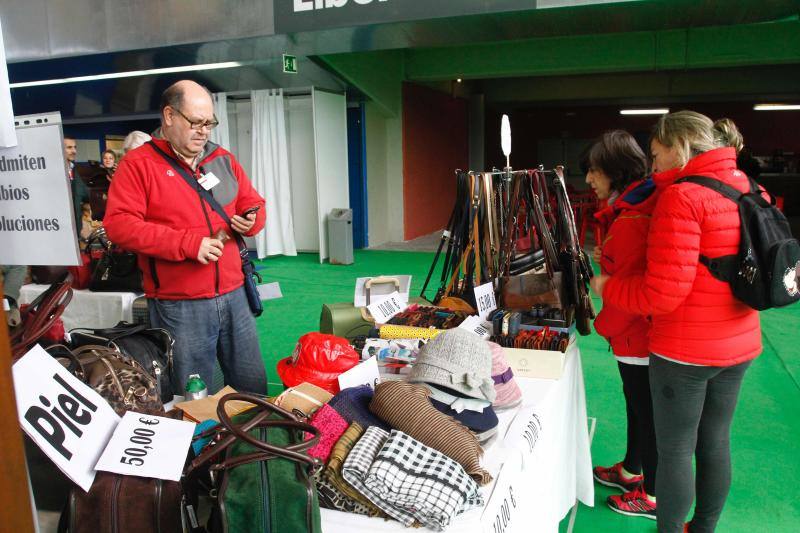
(289, 64)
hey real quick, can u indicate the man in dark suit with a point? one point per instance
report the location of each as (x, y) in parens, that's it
(80, 194)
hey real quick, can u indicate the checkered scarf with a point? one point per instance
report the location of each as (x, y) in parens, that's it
(409, 480)
(357, 464)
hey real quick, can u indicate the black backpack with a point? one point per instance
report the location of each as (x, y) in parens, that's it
(764, 274)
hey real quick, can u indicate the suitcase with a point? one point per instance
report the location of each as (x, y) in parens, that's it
(345, 320)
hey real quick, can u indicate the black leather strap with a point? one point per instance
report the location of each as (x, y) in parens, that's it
(715, 185)
(204, 194)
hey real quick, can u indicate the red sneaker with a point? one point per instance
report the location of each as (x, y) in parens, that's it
(612, 477)
(634, 503)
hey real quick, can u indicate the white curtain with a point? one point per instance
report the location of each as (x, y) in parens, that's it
(270, 173)
(221, 135)
(8, 135)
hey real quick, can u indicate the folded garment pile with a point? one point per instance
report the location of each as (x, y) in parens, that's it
(409, 450)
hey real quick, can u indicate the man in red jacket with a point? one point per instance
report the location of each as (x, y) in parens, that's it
(192, 271)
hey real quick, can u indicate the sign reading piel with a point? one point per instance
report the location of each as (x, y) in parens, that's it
(37, 220)
(69, 421)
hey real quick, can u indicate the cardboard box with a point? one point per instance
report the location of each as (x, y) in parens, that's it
(206, 408)
(543, 364)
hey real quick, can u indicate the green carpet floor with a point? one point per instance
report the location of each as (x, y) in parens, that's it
(765, 442)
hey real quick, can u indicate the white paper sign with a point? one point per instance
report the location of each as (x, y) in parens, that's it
(524, 432)
(364, 373)
(505, 511)
(484, 297)
(477, 326)
(69, 421)
(380, 290)
(386, 308)
(148, 446)
(270, 291)
(8, 136)
(36, 197)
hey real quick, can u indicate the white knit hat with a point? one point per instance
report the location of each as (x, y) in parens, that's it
(458, 360)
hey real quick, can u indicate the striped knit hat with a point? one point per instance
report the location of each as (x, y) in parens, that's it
(407, 407)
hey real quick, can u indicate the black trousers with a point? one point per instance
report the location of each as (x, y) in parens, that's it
(641, 455)
(693, 408)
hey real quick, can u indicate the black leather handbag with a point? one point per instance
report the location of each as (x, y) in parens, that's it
(113, 269)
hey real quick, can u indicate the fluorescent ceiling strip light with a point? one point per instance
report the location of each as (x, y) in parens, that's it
(131, 74)
(654, 111)
(776, 107)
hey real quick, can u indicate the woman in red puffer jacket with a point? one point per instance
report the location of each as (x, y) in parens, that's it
(703, 339)
(614, 167)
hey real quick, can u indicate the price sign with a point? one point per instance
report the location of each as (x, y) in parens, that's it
(524, 432)
(385, 309)
(484, 297)
(365, 373)
(148, 446)
(479, 327)
(505, 511)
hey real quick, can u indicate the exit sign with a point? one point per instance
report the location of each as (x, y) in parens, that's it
(289, 64)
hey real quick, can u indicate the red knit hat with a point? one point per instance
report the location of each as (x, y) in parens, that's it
(319, 359)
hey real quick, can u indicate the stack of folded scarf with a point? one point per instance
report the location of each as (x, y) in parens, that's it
(408, 480)
(406, 406)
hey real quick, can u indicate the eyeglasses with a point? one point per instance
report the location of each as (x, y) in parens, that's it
(208, 124)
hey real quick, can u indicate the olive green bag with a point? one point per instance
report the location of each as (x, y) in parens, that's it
(259, 476)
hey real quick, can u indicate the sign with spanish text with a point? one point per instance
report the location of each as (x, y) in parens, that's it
(68, 420)
(148, 446)
(37, 218)
(312, 15)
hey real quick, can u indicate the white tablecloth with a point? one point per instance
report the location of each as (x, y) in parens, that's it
(533, 489)
(89, 309)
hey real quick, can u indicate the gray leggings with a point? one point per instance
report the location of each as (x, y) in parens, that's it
(692, 409)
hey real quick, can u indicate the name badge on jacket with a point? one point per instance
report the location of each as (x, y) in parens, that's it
(208, 181)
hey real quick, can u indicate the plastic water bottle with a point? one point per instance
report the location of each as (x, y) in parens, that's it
(196, 388)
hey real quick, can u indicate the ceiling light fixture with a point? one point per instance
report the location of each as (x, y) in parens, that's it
(653, 111)
(131, 74)
(776, 107)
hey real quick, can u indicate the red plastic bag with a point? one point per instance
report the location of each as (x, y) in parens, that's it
(319, 359)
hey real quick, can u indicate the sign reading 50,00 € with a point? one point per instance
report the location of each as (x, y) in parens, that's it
(37, 219)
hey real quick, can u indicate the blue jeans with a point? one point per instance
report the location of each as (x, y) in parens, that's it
(213, 328)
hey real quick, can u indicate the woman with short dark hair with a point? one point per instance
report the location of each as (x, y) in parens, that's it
(615, 167)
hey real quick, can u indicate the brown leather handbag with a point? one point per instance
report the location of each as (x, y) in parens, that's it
(522, 292)
(37, 318)
(122, 381)
(124, 504)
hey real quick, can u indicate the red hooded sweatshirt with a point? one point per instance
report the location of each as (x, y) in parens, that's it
(626, 223)
(152, 211)
(696, 318)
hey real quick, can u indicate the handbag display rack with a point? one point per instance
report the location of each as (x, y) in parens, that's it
(515, 229)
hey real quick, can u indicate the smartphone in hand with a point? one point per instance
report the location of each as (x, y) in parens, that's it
(250, 210)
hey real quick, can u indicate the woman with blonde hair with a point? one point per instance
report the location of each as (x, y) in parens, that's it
(702, 339)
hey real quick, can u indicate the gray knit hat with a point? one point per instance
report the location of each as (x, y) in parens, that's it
(458, 360)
